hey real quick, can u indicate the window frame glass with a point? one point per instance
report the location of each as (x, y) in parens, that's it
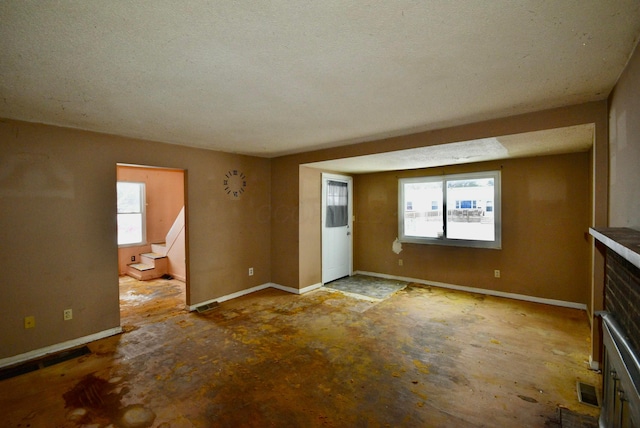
(140, 211)
(441, 238)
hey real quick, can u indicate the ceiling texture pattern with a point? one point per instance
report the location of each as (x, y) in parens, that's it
(280, 77)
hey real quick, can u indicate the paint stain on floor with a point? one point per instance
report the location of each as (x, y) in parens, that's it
(421, 356)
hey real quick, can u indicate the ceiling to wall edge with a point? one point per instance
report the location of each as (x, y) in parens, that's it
(563, 140)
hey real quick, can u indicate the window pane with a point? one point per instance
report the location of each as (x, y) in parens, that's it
(130, 213)
(337, 204)
(470, 215)
(129, 197)
(423, 209)
(459, 210)
(129, 229)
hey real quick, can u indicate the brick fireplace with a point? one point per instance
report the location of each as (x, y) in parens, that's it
(621, 328)
(622, 295)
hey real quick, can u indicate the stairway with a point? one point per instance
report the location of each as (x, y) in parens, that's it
(151, 266)
(155, 264)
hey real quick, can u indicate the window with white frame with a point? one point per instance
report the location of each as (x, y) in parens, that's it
(131, 215)
(460, 210)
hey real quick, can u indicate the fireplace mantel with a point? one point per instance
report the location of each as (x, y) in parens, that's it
(622, 240)
(621, 327)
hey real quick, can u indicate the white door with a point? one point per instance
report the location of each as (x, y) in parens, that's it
(337, 215)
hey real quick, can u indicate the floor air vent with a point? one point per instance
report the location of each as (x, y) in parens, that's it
(587, 394)
(207, 307)
(49, 360)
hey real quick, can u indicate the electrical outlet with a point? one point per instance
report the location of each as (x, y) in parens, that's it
(496, 273)
(400, 262)
(67, 314)
(29, 322)
(250, 271)
(133, 258)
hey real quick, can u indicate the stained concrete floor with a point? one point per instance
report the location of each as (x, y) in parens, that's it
(422, 357)
(367, 287)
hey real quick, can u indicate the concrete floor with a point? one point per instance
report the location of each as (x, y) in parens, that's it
(368, 287)
(423, 357)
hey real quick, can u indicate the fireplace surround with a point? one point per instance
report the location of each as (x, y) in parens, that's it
(621, 328)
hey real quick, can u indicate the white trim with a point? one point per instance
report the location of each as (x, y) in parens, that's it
(230, 296)
(593, 365)
(624, 251)
(86, 339)
(37, 353)
(326, 177)
(296, 290)
(254, 289)
(495, 244)
(310, 288)
(515, 296)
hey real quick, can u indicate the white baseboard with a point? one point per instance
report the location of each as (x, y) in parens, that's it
(310, 288)
(230, 296)
(106, 333)
(37, 353)
(296, 290)
(254, 289)
(86, 339)
(593, 365)
(515, 296)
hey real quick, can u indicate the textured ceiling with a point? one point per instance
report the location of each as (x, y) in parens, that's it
(551, 141)
(270, 78)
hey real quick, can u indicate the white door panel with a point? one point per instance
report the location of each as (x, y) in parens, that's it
(337, 239)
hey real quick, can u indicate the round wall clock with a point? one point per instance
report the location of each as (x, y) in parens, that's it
(234, 183)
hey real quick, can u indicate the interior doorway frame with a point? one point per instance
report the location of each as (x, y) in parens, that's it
(185, 202)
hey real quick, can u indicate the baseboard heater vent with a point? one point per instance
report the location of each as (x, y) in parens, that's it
(620, 376)
(587, 394)
(49, 360)
(207, 307)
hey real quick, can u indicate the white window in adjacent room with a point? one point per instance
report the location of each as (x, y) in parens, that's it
(131, 218)
(460, 210)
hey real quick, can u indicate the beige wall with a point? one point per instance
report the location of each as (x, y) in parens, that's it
(58, 218)
(310, 225)
(57, 186)
(164, 194)
(285, 220)
(622, 206)
(291, 239)
(624, 124)
(545, 217)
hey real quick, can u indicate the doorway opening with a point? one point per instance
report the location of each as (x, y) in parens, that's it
(152, 239)
(337, 226)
